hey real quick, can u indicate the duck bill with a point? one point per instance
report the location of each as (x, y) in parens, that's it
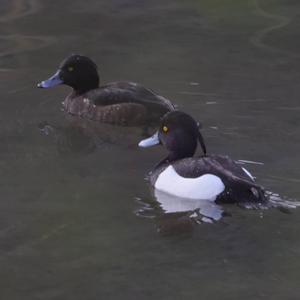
(151, 141)
(51, 82)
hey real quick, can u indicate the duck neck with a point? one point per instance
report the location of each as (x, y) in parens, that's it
(172, 157)
(84, 84)
(84, 88)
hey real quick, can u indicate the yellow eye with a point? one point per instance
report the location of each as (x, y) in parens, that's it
(70, 69)
(165, 129)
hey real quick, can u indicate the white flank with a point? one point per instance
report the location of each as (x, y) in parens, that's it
(205, 187)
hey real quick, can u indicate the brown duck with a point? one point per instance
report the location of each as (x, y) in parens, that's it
(120, 103)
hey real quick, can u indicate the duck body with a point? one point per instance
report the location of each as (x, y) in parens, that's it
(212, 177)
(120, 103)
(209, 177)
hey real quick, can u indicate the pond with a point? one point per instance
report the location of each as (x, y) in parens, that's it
(78, 219)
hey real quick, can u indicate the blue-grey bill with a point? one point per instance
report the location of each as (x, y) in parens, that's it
(50, 82)
(151, 141)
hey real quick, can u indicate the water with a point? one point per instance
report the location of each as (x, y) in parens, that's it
(70, 226)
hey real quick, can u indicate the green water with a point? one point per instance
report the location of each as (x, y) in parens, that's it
(70, 196)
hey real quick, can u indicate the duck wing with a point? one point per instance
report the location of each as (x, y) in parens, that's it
(212, 164)
(129, 92)
(239, 186)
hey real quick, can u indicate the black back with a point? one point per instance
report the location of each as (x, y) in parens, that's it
(130, 92)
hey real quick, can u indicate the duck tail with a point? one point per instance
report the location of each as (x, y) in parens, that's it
(247, 193)
(259, 193)
(254, 197)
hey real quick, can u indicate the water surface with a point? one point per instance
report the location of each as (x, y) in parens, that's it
(70, 195)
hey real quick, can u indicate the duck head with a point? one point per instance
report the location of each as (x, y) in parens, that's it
(76, 71)
(178, 133)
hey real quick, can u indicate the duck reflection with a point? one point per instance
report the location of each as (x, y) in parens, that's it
(69, 139)
(175, 215)
(202, 210)
(78, 136)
